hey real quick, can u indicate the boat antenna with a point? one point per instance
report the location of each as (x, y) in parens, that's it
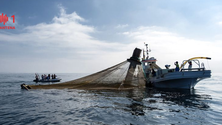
(147, 50)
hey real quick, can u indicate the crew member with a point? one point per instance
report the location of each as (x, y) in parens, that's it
(177, 66)
(190, 65)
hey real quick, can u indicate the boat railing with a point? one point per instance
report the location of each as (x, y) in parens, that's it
(193, 69)
(161, 72)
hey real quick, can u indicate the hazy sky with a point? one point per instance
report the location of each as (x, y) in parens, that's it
(85, 36)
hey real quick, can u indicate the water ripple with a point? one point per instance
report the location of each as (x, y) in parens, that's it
(139, 106)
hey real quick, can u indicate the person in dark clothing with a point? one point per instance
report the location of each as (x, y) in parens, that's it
(153, 72)
(48, 76)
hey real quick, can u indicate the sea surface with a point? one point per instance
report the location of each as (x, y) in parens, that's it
(200, 106)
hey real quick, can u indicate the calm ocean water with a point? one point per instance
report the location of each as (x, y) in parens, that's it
(203, 105)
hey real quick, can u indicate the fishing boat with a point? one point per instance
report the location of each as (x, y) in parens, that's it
(52, 78)
(181, 78)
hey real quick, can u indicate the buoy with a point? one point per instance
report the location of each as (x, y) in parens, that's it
(24, 86)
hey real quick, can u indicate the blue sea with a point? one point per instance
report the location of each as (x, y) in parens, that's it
(200, 106)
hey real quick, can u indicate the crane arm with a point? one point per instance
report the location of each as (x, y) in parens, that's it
(193, 59)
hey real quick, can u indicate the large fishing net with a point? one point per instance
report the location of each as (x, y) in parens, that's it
(125, 75)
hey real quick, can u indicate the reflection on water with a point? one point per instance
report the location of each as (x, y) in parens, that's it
(136, 105)
(140, 101)
(186, 98)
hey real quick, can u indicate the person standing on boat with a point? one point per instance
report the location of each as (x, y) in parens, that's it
(177, 66)
(48, 76)
(42, 77)
(36, 77)
(153, 72)
(149, 70)
(190, 65)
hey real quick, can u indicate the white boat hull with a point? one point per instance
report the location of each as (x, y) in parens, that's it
(180, 80)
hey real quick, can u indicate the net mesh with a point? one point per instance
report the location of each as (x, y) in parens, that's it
(125, 75)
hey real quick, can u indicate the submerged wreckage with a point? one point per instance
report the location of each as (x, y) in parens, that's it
(134, 73)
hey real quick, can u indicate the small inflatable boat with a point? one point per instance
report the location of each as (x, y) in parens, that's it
(47, 80)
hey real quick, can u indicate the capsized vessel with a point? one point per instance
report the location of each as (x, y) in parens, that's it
(185, 78)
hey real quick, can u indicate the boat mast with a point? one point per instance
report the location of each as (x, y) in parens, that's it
(147, 51)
